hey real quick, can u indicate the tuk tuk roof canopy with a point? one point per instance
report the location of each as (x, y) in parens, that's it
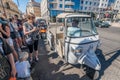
(63, 15)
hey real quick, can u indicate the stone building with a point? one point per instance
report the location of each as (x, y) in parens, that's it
(10, 8)
(33, 7)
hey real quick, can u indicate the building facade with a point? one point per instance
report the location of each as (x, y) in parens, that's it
(114, 7)
(51, 8)
(10, 8)
(33, 7)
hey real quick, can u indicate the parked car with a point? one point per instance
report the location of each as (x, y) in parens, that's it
(108, 21)
(105, 24)
(101, 24)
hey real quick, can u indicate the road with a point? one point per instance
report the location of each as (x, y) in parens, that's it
(110, 50)
(52, 67)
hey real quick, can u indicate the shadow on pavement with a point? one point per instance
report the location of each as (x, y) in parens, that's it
(106, 63)
(46, 70)
(53, 55)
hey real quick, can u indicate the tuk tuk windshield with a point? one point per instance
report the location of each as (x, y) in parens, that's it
(80, 27)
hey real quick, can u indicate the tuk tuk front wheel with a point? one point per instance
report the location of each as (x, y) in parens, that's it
(92, 73)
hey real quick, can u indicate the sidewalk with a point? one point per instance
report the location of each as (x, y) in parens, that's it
(115, 24)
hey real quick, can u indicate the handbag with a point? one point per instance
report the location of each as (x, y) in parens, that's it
(29, 40)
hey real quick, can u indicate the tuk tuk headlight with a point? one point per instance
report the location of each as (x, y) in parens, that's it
(77, 50)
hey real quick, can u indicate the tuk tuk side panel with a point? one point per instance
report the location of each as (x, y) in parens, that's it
(59, 40)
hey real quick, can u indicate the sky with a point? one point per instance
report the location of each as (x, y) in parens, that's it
(22, 4)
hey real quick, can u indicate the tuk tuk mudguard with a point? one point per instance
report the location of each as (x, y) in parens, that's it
(90, 60)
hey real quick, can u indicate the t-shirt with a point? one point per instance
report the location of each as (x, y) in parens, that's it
(5, 49)
(30, 27)
(19, 23)
(14, 24)
(73, 31)
(23, 69)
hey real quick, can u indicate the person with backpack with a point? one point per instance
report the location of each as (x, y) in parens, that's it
(5, 31)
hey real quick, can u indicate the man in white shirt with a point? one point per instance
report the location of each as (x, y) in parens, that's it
(74, 30)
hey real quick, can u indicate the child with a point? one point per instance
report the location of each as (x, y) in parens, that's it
(23, 67)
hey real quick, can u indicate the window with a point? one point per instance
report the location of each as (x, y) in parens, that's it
(90, 3)
(82, 2)
(51, 0)
(105, 5)
(51, 5)
(102, 4)
(83, 27)
(94, 3)
(81, 7)
(98, 4)
(7, 5)
(86, 2)
(60, 0)
(89, 8)
(60, 5)
(85, 8)
(68, 6)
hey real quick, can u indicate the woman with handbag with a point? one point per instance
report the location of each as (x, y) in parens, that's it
(30, 29)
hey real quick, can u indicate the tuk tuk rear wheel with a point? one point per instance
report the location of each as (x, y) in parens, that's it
(92, 73)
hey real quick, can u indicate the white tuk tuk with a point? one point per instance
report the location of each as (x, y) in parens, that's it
(76, 41)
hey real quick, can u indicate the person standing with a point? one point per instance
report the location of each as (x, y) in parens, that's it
(14, 33)
(6, 50)
(30, 31)
(5, 31)
(20, 30)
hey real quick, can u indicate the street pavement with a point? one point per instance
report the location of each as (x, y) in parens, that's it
(52, 67)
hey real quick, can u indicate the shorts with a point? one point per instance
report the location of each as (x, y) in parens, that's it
(17, 35)
(10, 41)
(33, 47)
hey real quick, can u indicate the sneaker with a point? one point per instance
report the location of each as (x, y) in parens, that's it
(36, 59)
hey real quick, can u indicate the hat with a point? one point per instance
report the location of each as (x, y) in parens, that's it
(23, 55)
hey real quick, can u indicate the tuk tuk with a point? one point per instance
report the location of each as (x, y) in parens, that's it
(76, 40)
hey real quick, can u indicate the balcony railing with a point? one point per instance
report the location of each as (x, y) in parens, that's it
(69, 3)
(69, 9)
